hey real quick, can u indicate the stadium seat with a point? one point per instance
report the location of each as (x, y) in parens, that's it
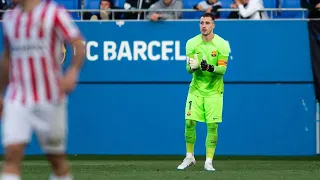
(119, 3)
(94, 4)
(71, 4)
(290, 14)
(226, 5)
(190, 15)
(270, 4)
(194, 15)
(91, 4)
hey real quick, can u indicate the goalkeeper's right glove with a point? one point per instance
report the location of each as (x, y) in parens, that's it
(194, 63)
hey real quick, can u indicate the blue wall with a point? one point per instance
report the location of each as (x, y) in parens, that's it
(269, 100)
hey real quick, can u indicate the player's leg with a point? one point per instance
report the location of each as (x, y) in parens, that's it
(213, 112)
(190, 136)
(52, 133)
(16, 134)
(193, 114)
(211, 144)
(60, 167)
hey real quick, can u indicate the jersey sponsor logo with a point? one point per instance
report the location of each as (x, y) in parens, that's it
(26, 47)
(134, 51)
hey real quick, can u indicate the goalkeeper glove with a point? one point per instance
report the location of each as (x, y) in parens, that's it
(205, 66)
(194, 63)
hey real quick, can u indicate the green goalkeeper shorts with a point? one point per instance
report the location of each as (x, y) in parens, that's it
(204, 109)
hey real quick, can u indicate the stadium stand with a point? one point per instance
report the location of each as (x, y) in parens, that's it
(71, 4)
(188, 4)
(290, 14)
(94, 4)
(119, 3)
(91, 4)
(270, 4)
(225, 4)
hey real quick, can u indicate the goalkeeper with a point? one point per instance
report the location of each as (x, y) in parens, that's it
(207, 57)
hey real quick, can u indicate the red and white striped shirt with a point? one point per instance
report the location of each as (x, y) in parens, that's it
(35, 40)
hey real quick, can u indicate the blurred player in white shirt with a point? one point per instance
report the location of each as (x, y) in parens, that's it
(35, 99)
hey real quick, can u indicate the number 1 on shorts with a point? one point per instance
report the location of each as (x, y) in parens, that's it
(190, 103)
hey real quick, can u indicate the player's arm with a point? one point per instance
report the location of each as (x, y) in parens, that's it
(189, 54)
(250, 9)
(223, 56)
(178, 5)
(78, 54)
(4, 66)
(70, 33)
(222, 65)
(153, 9)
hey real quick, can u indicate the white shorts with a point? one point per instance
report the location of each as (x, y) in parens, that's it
(48, 121)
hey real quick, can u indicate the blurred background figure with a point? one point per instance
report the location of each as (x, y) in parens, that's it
(248, 9)
(104, 14)
(313, 7)
(209, 6)
(165, 4)
(4, 5)
(137, 4)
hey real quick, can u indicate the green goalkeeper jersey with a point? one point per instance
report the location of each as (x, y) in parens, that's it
(216, 53)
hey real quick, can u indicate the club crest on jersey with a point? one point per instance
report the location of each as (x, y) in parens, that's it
(214, 53)
(189, 113)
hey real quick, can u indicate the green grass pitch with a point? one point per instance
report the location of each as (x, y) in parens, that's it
(164, 168)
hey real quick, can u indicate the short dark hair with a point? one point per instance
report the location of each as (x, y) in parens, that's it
(208, 15)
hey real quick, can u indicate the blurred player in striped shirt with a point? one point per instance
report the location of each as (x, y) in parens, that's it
(35, 99)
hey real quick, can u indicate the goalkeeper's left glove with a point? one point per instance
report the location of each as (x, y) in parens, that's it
(205, 66)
